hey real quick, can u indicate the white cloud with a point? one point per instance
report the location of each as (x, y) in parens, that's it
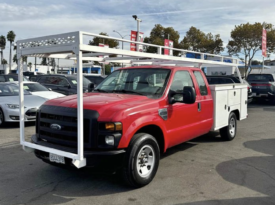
(30, 18)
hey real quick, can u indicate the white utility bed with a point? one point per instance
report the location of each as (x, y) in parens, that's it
(226, 98)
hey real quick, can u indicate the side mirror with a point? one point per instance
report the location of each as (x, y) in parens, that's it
(68, 86)
(189, 95)
(50, 89)
(91, 87)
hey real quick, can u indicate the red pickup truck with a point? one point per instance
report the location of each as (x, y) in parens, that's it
(136, 114)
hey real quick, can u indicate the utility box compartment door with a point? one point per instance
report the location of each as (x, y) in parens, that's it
(220, 109)
(234, 97)
(243, 103)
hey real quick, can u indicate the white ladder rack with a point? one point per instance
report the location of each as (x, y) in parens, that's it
(71, 46)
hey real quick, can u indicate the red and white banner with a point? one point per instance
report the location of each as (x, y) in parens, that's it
(134, 38)
(168, 43)
(264, 43)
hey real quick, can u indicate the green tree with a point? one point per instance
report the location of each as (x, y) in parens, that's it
(52, 62)
(157, 36)
(25, 59)
(4, 62)
(96, 41)
(11, 37)
(44, 61)
(112, 44)
(14, 59)
(30, 65)
(246, 41)
(255, 62)
(2, 45)
(196, 40)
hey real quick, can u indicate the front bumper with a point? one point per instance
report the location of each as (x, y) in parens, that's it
(109, 159)
(12, 115)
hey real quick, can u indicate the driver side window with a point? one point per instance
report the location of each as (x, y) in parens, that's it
(181, 79)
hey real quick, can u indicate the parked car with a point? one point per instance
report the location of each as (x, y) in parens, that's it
(137, 113)
(96, 79)
(263, 86)
(64, 84)
(230, 79)
(37, 89)
(9, 103)
(10, 78)
(28, 74)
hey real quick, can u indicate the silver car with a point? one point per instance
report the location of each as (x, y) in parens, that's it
(9, 103)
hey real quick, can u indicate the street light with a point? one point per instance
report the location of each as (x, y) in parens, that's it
(122, 41)
(138, 22)
(120, 36)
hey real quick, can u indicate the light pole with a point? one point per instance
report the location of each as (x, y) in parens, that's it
(120, 36)
(138, 23)
(122, 41)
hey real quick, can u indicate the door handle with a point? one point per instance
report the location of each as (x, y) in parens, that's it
(199, 106)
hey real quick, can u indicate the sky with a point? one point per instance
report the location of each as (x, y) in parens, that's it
(34, 18)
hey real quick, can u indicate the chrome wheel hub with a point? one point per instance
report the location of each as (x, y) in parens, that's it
(145, 161)
(232, 127)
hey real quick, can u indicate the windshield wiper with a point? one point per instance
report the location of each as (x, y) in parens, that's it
(128, 91)
(99, 90)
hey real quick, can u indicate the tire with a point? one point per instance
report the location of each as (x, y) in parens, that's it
(141, 148)
(271, 100)
(229, 132)
(2, 118)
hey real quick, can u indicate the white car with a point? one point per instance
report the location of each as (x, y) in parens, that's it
(40, 90)
(9, 103)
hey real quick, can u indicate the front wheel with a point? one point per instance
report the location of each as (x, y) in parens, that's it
(142, 160)
(229, 132)
(2, 118)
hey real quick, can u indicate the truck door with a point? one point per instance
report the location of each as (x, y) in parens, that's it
(204, 102)
(183, 121)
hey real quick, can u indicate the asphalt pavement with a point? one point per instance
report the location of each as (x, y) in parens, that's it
(203, 171)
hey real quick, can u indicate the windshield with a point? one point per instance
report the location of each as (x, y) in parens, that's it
(34, 87)
(261, 77)
(141, 81)
(73, 80)
(10, 90)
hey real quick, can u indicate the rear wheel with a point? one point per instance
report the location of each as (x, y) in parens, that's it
(271, 99)
(2, 118)
(142, 160)
(229, 132)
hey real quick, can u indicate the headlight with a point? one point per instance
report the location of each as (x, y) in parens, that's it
(113, 126)
(13, 106)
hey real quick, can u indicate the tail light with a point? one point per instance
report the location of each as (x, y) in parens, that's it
(257, 84)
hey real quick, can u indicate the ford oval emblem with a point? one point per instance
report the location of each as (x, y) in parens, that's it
(55, 127)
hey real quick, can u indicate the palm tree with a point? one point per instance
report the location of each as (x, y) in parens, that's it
(4, 62)
(11, 36)
(30, 66)
(2, 45)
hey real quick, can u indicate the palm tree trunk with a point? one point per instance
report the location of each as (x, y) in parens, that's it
(1, 56)
(10, 58)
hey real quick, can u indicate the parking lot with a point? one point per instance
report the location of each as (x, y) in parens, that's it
(203, 171)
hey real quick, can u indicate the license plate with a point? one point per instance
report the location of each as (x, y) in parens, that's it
(56, 158)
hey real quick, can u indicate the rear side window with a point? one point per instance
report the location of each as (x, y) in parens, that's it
(43, 80)
(201, 82)
(11, 78)
(2, 79)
